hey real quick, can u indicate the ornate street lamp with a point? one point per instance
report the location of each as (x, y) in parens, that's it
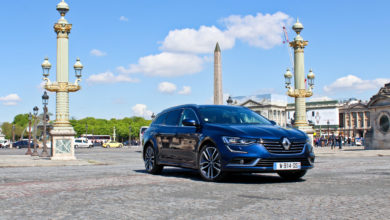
(129, 135)
(13, 135)
(328, 128)
(35, 112)
(45, 101)
(29, 134)
(62, 133)
(114, 133)
(298, 91)
(229, 100)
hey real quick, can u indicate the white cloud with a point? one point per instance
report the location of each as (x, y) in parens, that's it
(98, 53)
(109, 77)
(11, 99)
(165, 64)
(316, 98)
(123, 18)
(264, 31)
(141, 110)
(355, 83)
(167, 87)
(197, 41)
(182, 49)
(185, 91)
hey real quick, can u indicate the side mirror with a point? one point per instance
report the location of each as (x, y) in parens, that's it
(189, 122)
(273, 122)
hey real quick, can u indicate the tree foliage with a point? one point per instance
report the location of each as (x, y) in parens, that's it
(94, 126)
(88, 125)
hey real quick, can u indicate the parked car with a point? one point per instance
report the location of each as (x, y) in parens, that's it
(216, 139)
(111, 143)
(4, 143)
(141, 133)
(358, 142)
(23, 144)
(82, 142)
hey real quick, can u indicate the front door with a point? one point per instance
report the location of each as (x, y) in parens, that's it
(188, 137)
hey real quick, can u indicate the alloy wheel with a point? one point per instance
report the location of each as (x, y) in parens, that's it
(210, 163)
(149, 159)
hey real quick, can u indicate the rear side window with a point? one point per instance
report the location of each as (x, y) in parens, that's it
(173, 117)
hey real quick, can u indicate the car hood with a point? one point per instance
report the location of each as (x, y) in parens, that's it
(256, 131)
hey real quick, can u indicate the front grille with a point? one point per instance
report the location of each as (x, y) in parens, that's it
(275, 147)
(270, 162)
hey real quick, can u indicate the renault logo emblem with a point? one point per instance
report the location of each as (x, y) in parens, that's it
(286, 144)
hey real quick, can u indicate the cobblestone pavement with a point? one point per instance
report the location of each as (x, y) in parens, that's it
(339, 187)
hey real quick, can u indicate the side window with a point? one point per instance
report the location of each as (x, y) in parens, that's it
(173, 117)
(160, 119)
(188, 114)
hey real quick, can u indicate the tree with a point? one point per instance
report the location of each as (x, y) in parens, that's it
(105, 127)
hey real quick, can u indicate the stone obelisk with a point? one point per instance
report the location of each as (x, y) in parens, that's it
(218, 95)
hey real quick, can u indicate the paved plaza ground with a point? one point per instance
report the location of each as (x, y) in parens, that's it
(112, 184)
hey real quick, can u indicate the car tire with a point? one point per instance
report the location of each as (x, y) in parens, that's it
(292, 175)
(150, 160)
(209, 164)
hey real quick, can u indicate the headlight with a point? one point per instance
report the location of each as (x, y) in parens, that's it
(239, 141)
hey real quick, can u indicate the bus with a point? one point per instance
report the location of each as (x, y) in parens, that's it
(97, 139)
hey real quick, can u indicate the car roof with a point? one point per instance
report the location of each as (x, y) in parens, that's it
(198, 106)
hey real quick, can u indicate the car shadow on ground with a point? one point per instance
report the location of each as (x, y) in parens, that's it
(234, 178)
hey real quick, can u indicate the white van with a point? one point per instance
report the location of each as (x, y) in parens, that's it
(82, 142)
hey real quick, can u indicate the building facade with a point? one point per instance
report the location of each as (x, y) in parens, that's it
(378, 136)
(271, 106)
(350, 118)
(354, 118)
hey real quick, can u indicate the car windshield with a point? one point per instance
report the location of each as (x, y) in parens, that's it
(231, 115)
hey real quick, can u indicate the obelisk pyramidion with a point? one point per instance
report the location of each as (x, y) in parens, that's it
(218, 96)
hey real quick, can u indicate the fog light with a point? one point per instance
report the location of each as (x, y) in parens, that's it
(311, 160)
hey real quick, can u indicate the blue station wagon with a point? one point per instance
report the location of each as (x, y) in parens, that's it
(217, 139)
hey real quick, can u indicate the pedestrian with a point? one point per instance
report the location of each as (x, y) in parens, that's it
(341, 142)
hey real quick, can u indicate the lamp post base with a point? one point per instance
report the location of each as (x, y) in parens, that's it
(44, 154)
(28, 151)
(35, 153)
(62, 140)
(308, 130)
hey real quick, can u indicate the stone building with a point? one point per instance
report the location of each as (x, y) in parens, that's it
(271, 106)
(322, 115)
(354, 118)
(378, 137)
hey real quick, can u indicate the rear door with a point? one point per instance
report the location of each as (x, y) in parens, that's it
(166, 136)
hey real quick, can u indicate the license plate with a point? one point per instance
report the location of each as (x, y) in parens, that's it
(287, 166)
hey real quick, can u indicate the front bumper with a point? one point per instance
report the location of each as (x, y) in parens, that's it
(256, 158)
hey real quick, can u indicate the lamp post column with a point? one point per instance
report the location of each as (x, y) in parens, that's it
(35, 152)
(62, 134)
(29, 135)
(299, 92)
(45, 99)
(13, 135)
(129, 136)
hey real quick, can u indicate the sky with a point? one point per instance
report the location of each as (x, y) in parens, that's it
(141, 57)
